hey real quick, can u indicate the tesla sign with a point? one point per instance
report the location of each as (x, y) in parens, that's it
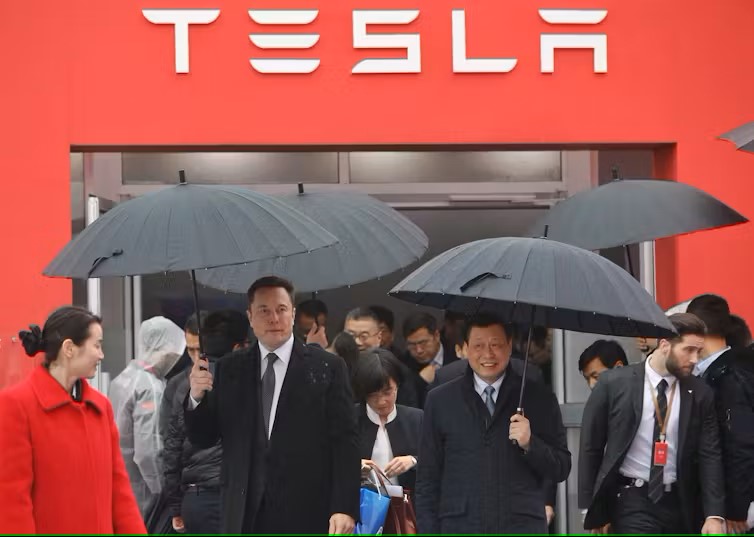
(560, 19)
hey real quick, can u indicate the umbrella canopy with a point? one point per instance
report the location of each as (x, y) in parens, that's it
(628, 211)
(374, 240)
(537, 282)
(187, 227)
(742, 137)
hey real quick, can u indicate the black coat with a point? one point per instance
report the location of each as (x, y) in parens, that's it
(611, 420)
(471, 478)
(403, 432)
(184, 463)
(731, 376)
(309, 469)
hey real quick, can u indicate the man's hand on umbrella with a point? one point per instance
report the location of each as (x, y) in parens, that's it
(200, 379)
(520, 431)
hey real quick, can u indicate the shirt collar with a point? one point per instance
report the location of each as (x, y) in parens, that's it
(480, 385)
(283, 352)
(439, 358)
(702, 366)
(654, 377)
(375, 418)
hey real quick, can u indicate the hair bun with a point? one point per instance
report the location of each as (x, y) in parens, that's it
(32, 340)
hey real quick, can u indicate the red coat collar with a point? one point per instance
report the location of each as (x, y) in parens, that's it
(52, 395)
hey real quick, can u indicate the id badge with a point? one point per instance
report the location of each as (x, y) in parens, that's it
(661, 453)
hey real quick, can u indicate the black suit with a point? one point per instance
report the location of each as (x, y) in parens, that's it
(611, 420)
(403, 432)
(731, 376)
(310, 467)
(471, 478)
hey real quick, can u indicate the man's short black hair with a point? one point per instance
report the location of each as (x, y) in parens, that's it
(739, 334)
(417, 321)
(270, 281)
(229, 323)
(384, 315)
(714, 311)
(312, 307)
(608, 351)
(483, 320)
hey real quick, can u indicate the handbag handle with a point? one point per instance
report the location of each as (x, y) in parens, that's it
(379, 481)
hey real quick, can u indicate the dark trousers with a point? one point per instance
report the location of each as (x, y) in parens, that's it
(201, 510)
(634, 512)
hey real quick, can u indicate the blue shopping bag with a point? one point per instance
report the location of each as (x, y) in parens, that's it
(373, 507)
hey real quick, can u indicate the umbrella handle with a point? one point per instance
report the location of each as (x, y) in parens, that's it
(520, 412)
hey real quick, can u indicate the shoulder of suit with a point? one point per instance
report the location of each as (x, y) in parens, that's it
(410, 412)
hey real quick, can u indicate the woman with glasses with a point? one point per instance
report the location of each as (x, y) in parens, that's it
(388, 433)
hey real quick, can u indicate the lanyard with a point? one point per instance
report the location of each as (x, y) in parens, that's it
(662, 423)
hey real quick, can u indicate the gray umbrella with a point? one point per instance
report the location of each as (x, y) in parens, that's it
(628, 211)
(187, 227)
(742, 137)
(537, 282)
(374, 240)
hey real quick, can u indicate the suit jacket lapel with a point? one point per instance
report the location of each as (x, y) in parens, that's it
(637, 396)
(396, 433)
(292, 383)
(368, 433)
(249, 383)
(508, 389)
(687, 401)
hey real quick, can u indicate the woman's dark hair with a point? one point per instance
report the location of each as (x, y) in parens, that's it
(375, 369)
(66, 322)
(346, 347)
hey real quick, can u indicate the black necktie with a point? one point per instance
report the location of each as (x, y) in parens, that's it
(656, 487)
(268, 391)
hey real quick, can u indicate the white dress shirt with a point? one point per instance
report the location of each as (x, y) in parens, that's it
(702, 366)
(382, 452)
(280, 366)
(480, 385)
(638, 460)
(439, 360)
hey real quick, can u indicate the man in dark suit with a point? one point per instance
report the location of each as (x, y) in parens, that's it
(729, 371)
(649, 444)
(471, 477)
(426, 351)
(284, 412)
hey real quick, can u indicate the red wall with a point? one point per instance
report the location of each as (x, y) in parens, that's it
(85, 72)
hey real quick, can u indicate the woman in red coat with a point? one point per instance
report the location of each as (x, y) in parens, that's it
(61, 469)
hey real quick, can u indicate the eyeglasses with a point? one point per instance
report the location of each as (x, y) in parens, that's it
(480, 346)
(416, 344)
(363, 336)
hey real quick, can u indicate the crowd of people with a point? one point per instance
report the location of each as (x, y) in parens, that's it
(275, 426)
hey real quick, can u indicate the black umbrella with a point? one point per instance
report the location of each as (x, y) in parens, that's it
(628, 211)
(374, 240)
(742, 137)
(537, 282)
(188, 227)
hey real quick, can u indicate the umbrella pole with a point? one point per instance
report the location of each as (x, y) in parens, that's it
(520, 408)
(196, 308)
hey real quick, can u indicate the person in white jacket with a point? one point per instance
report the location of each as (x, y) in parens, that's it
(136, 395)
